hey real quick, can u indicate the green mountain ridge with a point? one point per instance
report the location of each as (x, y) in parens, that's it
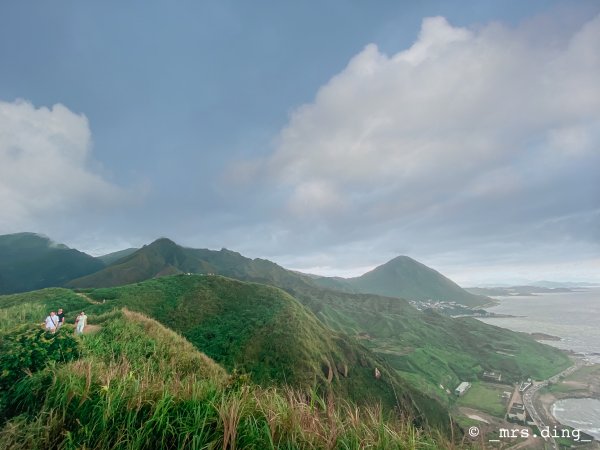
(259, 330)
(287, 328)
(30, 261)
(426, 348)
(165, 257)
(134, 384)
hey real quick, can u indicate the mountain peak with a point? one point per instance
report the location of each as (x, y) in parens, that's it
(29, 239)
(162, 241)
(407, 278)
(401, 259)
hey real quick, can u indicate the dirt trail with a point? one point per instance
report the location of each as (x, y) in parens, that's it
(88, 299)
(91, 329)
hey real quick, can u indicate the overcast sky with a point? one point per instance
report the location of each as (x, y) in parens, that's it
(326, 136)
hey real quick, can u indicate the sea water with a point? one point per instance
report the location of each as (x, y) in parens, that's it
(580, 413)
(575, 318)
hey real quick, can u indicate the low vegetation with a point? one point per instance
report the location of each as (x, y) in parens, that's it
(430, 350)
(486, 397)
(138, 385)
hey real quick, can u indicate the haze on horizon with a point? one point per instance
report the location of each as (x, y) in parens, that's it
(327, 138)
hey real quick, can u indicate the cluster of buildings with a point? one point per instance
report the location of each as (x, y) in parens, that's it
(439, 306)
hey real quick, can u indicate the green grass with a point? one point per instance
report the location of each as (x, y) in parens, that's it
(485, 397)
(139, 385)
(256, 330)
(436, 349)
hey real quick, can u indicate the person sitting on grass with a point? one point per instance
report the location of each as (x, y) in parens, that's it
(80, 323)
(51, 322)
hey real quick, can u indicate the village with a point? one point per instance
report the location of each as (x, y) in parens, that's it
(511, 413)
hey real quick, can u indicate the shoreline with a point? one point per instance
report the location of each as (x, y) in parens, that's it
(582, 383)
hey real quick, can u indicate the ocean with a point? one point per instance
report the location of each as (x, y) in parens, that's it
(572, 316)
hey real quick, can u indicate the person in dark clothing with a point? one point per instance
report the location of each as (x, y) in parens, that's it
(61, 318)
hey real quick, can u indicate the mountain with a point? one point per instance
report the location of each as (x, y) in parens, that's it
(401, 277)
(426, 348)
(406, 278)
(257, 329)
(133, 383)
(110, 258)
(30, 261)
(165, 257)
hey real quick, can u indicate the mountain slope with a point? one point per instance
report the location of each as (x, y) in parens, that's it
(29, 261)
(426, 348)
(257, 329)
(110, 258)
(429, 349)
(266, 333)
(135, 384)
(165, 257)
(401, 277)
(404, 277)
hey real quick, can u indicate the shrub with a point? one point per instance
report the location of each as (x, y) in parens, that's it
(29, 349)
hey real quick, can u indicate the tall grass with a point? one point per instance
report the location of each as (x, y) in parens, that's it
(14, 316)
(141, 386)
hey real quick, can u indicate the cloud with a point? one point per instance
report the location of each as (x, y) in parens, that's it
(469, 135)
(456, 103)
(46, 167)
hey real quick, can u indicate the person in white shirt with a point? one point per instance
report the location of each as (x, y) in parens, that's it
(80, 323)
(51, 322)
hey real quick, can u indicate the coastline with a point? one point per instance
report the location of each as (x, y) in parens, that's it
(582, 383)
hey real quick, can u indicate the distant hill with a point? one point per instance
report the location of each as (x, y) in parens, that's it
(30, 261)
(165, 257)
(401, 277)
(406, 278)
(521, 291)
(110, 258)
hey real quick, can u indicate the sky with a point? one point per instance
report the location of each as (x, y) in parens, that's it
(328, 137)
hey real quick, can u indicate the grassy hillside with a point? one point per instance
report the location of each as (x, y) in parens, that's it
(29, 261)
(262, 331)
(404, 277)
(426, 349)
(137, 385)
(429, 349)
(255, 329)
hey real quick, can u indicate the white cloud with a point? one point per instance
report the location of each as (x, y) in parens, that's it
(45, 159)
(437, 117)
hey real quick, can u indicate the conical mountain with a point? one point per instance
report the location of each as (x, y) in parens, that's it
(406, 278)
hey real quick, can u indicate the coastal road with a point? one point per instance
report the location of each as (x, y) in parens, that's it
(529, 396)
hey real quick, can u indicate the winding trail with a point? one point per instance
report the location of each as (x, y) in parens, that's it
(87, 299)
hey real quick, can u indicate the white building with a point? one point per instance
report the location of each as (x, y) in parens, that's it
(462, 388)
